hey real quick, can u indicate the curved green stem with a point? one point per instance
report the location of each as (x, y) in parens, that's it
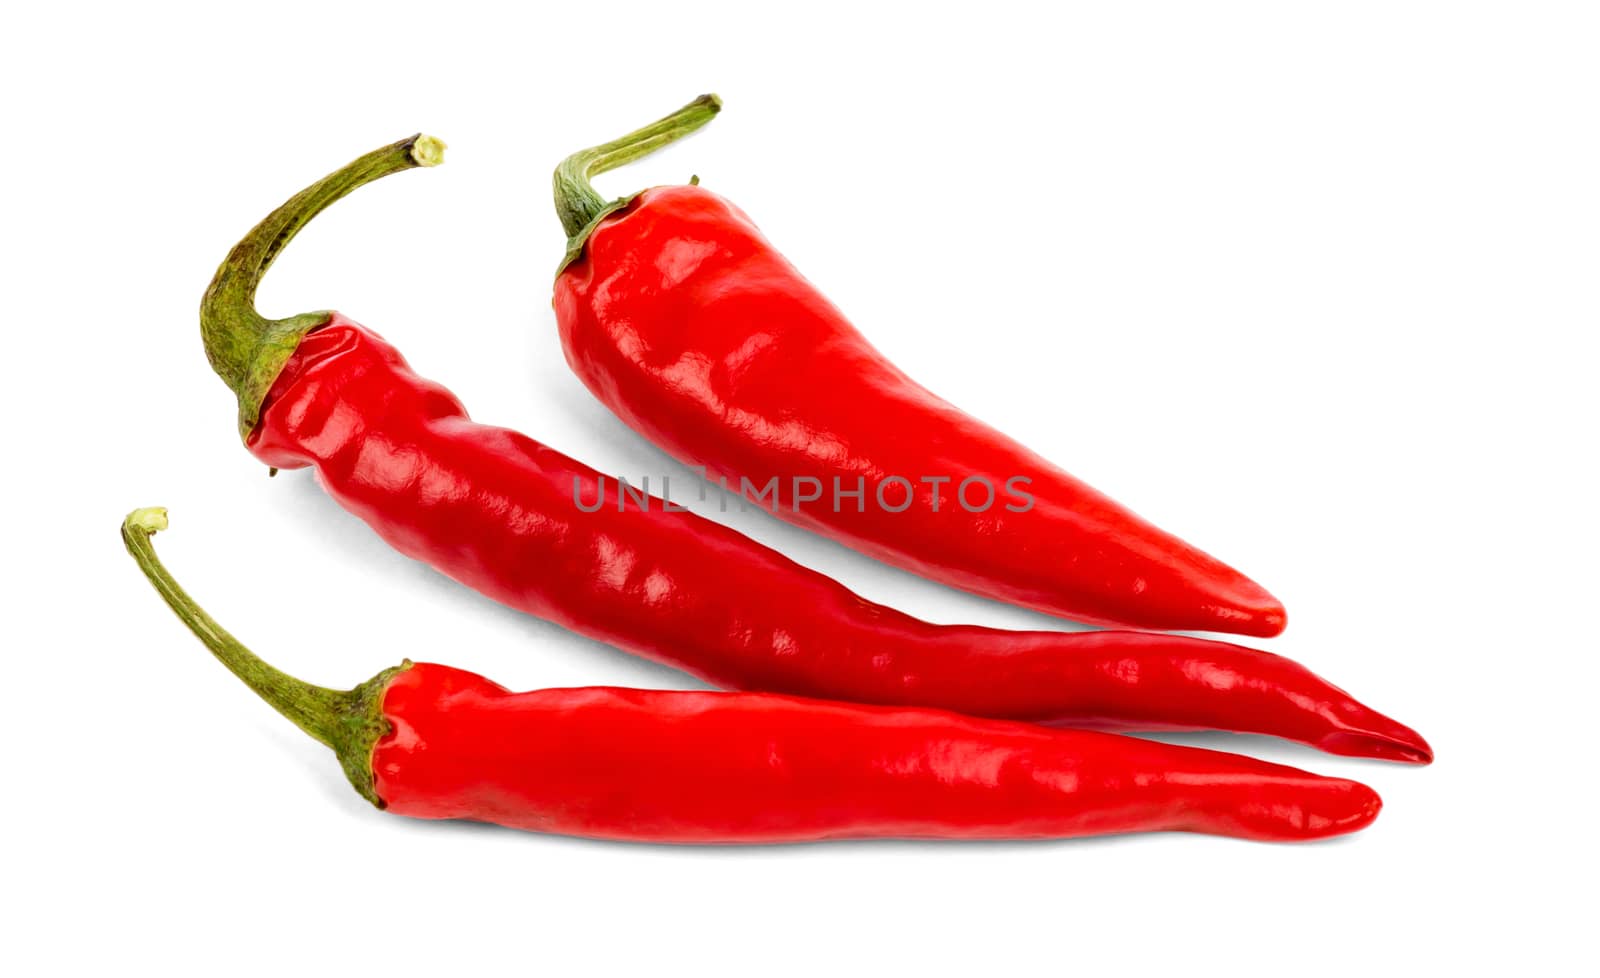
(577, 203)
(246, 349)
(349, 721)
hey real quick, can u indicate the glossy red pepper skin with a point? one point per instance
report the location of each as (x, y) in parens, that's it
(685, 767)
(495, 510)
(684, 321)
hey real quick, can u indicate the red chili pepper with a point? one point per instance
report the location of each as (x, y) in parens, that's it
(654, 766)
(497, 511)
(696, 332)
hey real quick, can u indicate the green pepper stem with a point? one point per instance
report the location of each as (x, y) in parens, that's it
(246, 349)
(349, 721)
(577, 203)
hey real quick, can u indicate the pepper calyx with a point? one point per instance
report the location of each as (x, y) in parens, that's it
(350, 721)
(248, 350)
(580, 207)
(577, 242)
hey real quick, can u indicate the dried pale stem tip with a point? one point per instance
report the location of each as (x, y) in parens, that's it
(428, 151)
(150, 519)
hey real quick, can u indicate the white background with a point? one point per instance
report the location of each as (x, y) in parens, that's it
(1314, 286)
